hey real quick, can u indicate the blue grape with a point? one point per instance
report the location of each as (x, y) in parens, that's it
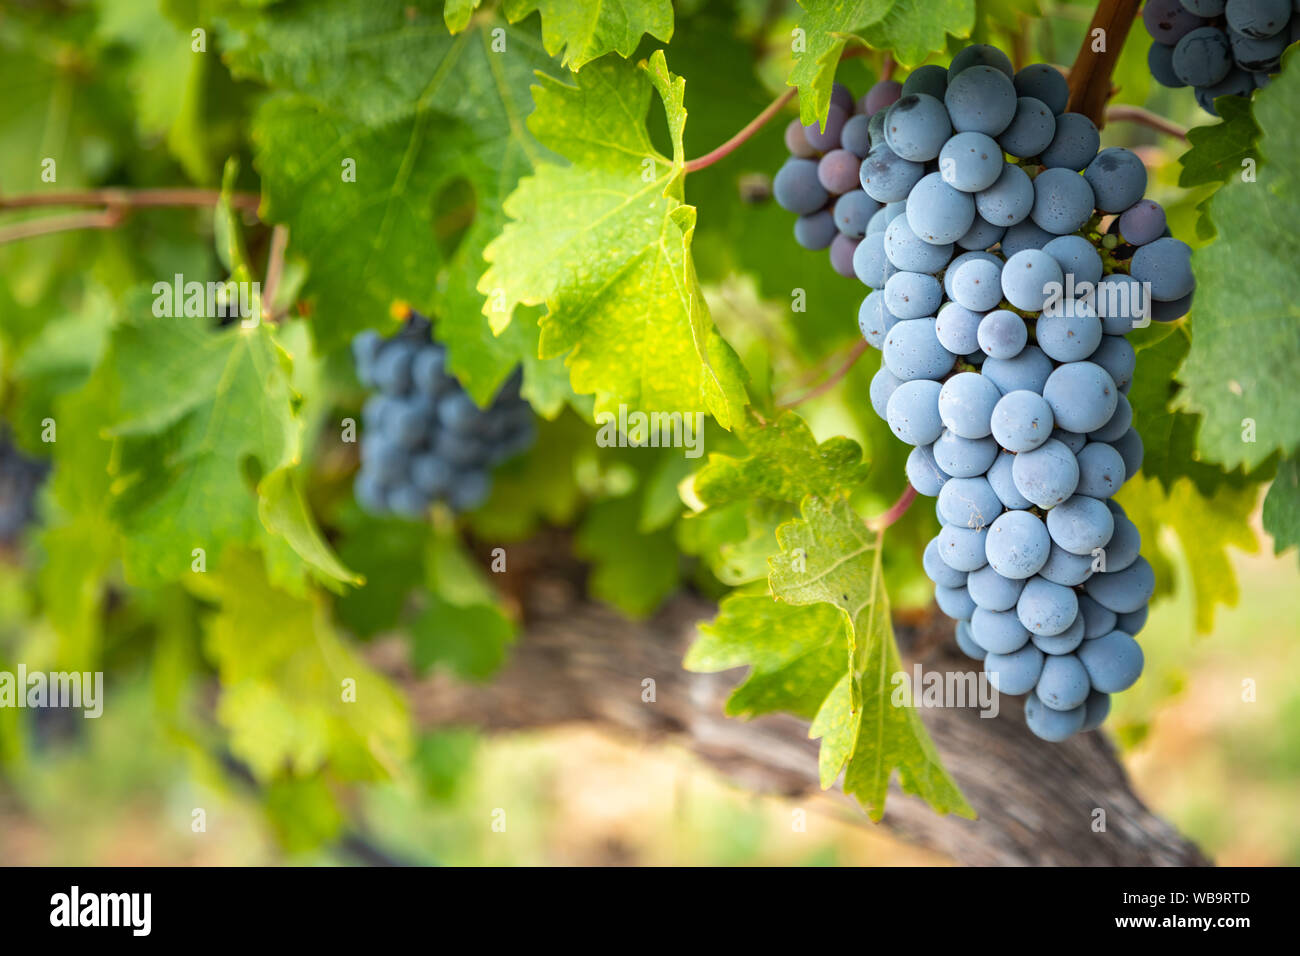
(1029, 277)
(980, 99)
(875, 320)
(880, 221)
(908, 251)
(1009, 200)
(914, 295)
(968, 503)
(1171, 310)
(391, 371)
(916, 127)
(1044, 83)
(1032, 128)
(842, 249)
(1117, 177)
(960, 260)
(837, 171)
(1120, 302)
(937, 570)
(970, 162)
(431, 475)
(957, 329)
(365, 349)
(1046, 608)
(1049, 724)
(1069, 331)
(881, 96)
(1064, 568)
(912, 351)
(954, 602)
(1066, 642)
(1021, 421)
(1063, 685)
(815, 231)
(981, 235)
(470, 491)
(1074, 145)
(1134, 622)
(1017, 672)
(428, 372)
(1097, 620)
(1118, 424)
(931, 80)
(923, 473)
(886, 176)
(977, 285)
(796, 142)
(913, 411)
(457, 412)
(966, 403)
(1167, 265)
(1258, 18)
(842, 97)
(870, 263)
(883, 385)
(998, 632)
(1168, 21)
(962, 548)
(1112, 662)
(797, 189)
(1129, 446)
(1083, 396)
(407, 501)
(382, 459)
(992, 591)
(1071, 440)
(979, 54)
(1080, 524)
(1123, 547)
(1047, 476)
(1077, 257)
(1116, 355)
(1142, 222)
(1017, 544)
(1003, 484)
(1024, 235)
(964, 457)
(827, 138)
(1063, 202)
(1202, 57)
(1101, 470)
(1097, 706)
(1160, 61)
(853, 212)
(1236, 83)
(856, 135)
(967, 643)
(370, 492)
(1123, 591)
(938, 213)
(1258, 55)
(1028, 370)
(1002, 334)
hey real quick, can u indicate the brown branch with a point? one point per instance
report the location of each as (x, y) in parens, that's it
(1091, 73)
(854, 354)
(754, 125)
(107, 219)
(129, 198)
(580, 663)
(1122, 113)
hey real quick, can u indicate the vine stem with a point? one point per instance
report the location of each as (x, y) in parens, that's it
(1091, 73)
(129, 198)
(754, 125)
(829, 382)
(274, 270)
(105, 219)
(896, 510)
(1121, 113)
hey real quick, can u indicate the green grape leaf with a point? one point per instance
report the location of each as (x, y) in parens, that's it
(795, 654)
(389, 553)
(1217, 150)
(911, 29)
(587, 31)
(389, 155)
(208, 433)
(1205, 527)
(456, 13)
(828, 556)
(632, 570)
(784, 464)
(604, 243)
(294, 697)
(1282, 507)
(1246, 321)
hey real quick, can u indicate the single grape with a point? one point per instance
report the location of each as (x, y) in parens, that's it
(1017, 544)
(1045, 83)
(881, 95)
(870, 263)
(1124, 545)
(1046, 608)
(796, 142)
(938, 213)
(970, 162)
(856, 135)
(1028, 370)
(1133, 623)
(979, 54)
(980, 99)
(1009, 200)
(1064, 568)
(1237, 82)
(1063, 685)
(954, 602)
(842, 249)
(815, 231)
(1168, 21)
(977, 284)
(964, 457)
(981, 235)
(1067, 642)
(365, 349)
(1202, 57)
(966, 403)
(1097, 706)
(1112, 662)
(1117, 177)
(1032, 129)
(1097, 620)
(824, 140)
(1083, 396)
(1003, 483)
(842, 97)
(998, 632)
(908, 251)
(837, 171)
(1119, 422)
(1080, 524)
(1071, 440)
(915, 295)
(1017, 672)
(1022, 236)
(875, 320)
(1123, 591)
(886, 176)
(1029, 278)
(1117, 356)
(1258, 55)
(916, 127)
(1160, 62)
(957, 329)
(1063, 202)
(923, 473)
(1258, 18)
(960, 260)
(797, 188)
(1068, 332)
(1002, 334)
(1077, 257)
(992, 591)
(937, 570)
(1142, 222)
(853, 211)
(1129, 446)
(967, 643)
(1048, 475)
(962, 548)
(1052, 725)
(883, 385)
(912, 411)
(1167, 265)
(1021, 421)
(1074, 145)
(931, 80)
(1101, 470)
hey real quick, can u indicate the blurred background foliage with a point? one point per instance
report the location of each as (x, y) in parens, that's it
(204, 716)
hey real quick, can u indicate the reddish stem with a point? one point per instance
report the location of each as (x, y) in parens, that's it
(854, 354)
(115, 196)
(731, 145)
(105, 219)
(1136, 114)
(896, 510)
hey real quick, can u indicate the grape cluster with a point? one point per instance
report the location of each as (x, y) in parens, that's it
(1219, 47)
(423, 438)
(1002, 293)
(20, 479)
